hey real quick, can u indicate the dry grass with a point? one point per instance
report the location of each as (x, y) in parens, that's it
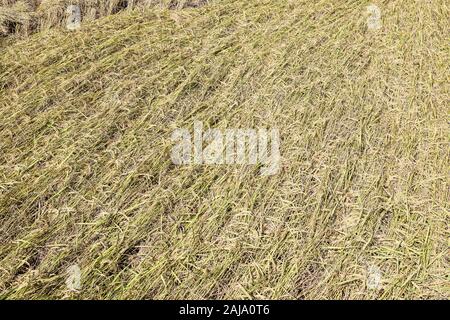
(27, 16)
(86, 177)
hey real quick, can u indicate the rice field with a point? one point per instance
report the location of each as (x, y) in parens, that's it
(359, 208)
